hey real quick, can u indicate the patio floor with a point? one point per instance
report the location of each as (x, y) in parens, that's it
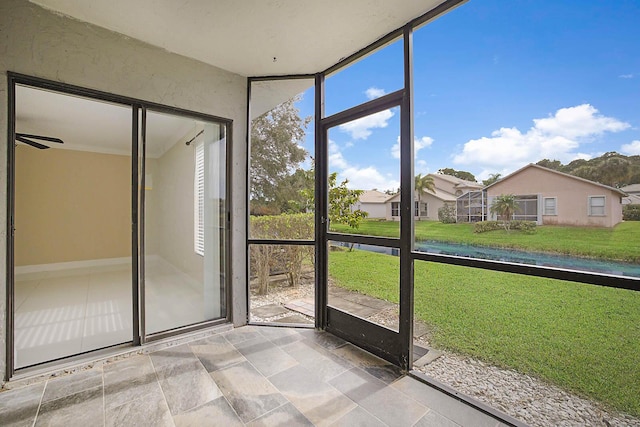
(253, 375)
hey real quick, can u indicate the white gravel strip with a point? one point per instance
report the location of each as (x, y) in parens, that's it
(524, 398)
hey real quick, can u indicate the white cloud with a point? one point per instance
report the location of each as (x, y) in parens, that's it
(626, 76)
(554, 137)
(631, 149)
(374, 92)
(421, 167)
(360, 178)
(367, 179)
(578, 122)
(336, 160)
(418, 144)
(362, 128)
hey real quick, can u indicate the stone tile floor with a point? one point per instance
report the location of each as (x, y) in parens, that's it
(249, 376)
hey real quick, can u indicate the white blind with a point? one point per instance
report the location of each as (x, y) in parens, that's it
(199, 200)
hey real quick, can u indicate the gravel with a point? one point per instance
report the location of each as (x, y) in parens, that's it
(521, 396)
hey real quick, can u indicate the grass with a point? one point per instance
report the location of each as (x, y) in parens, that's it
(583, 338)
(618, 243)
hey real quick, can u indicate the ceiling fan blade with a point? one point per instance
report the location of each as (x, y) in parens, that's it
(41, 138)
(31, 143)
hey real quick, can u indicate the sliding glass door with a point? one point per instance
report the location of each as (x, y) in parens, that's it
(184, 198)
(118, 222)
(72, 288)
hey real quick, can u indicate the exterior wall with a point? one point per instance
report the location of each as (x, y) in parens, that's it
(375, 210)
(434, 203)
(572, 197)
(40, 43)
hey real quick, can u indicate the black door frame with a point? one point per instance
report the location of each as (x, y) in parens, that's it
(138, 133)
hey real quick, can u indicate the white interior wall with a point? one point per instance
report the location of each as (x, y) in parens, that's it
(39, 43)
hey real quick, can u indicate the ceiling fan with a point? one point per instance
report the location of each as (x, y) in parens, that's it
(29, 140)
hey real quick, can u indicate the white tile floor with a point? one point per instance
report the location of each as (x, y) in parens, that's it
(62, 313)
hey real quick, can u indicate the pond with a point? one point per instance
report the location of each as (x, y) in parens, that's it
(516, 256)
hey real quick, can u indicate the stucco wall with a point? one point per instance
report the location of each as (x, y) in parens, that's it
(572, 197)
(39, 43)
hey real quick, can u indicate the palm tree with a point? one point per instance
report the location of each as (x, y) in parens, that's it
(505, 205)
(423, 183)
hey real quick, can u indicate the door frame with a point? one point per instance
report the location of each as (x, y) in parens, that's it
(396, 347)
(137, 124)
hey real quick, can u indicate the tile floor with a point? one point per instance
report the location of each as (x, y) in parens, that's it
(253, 376)
(63, 313)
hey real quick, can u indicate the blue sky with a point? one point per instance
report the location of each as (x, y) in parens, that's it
(498, 84)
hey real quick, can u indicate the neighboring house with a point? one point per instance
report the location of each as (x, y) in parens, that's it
(452, 185)
(446, 189)
(547, 196)
(633, 194)
(373, 203)
(632, 189)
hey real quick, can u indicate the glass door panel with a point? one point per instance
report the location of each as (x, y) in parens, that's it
(184, 221)
(72, 242)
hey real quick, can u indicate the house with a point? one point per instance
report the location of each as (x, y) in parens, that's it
(631, 189)
(447, 188)
(549, 197)
(633, 194)
(373, 203)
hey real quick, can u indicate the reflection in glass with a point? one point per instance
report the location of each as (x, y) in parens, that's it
(185, 205)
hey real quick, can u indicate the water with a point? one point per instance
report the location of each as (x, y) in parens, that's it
(516, 256)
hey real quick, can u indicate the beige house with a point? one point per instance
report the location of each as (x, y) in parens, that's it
(447, 188)
(550, 197)
(373, 203)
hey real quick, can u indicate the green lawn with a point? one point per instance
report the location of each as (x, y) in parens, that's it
(619, 243)
(584, 338)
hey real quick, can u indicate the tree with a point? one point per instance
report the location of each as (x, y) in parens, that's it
(494, 177)
(467, 176)
(341, 200)
(422, 184)
(550, 164)
(275, 152)
(505, 205)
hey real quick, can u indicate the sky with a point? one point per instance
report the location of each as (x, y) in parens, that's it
(498, 84)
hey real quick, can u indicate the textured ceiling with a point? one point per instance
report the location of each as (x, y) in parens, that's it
(251, 37)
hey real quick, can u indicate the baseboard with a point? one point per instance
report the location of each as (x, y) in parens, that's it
(71, 265)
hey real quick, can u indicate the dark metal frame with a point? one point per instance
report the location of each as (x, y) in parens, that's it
(138, 134)
(250, 241)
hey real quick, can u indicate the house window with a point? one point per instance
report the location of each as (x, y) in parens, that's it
(421, 209)
(550, 206)
(395, 208)
(198, 200)
(596, 206)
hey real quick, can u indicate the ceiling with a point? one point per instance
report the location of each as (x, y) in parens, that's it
(97, 126)
(248, 37)
(251, 37)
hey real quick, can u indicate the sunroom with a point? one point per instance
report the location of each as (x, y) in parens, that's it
(152, 212)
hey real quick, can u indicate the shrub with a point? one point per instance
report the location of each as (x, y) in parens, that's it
(266, 260)
(527, 227)
(447, 214)
(631, 212)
